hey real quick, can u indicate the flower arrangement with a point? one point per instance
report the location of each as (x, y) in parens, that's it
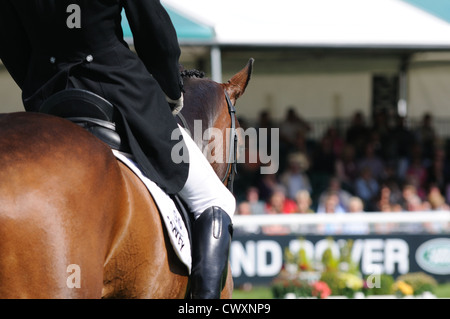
(333, 276)
(283, 286)
(320, 289)
(299, 278)
(340, 276)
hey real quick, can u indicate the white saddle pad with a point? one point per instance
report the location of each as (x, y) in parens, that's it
(173, 221)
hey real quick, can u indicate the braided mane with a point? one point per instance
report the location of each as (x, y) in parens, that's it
(192, 74)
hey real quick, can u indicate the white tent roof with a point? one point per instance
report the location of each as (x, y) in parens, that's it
(317, 23)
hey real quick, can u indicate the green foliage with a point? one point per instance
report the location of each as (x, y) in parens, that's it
(329, 262)
(288, 256)
(380, 285)
(333, 281)
(282, 286)
(303, 261)
(419, 281)
(263, 292)
(346, 262)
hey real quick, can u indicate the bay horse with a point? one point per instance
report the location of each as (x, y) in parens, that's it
(69, 208)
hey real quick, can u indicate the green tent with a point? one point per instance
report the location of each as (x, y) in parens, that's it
(438, 8)
(186, 28)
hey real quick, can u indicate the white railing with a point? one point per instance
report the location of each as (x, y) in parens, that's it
(293, 221)
(371, 218)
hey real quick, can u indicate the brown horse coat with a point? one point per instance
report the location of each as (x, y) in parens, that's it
(75, 222)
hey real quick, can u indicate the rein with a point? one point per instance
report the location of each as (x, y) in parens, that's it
(232, 155)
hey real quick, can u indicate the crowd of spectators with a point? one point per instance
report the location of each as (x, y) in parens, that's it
(384, 166)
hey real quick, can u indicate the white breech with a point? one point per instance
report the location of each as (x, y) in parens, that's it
(203, 188)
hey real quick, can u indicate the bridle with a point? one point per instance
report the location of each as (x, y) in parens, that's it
(232, 154)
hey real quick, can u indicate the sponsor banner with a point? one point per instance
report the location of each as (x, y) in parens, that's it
(258, 259)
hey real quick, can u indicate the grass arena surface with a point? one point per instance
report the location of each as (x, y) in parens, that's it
(264, 292)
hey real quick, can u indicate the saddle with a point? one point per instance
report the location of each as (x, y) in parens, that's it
(97, 115)
(88, 110)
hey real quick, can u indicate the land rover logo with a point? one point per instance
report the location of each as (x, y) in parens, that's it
(434, 256)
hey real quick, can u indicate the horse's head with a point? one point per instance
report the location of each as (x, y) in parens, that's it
(210, 116)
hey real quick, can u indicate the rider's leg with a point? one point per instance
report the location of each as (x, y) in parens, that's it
(213, 206)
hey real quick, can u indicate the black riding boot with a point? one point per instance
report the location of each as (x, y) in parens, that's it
(211, 240)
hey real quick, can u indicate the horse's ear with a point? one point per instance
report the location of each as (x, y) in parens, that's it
(238, 83)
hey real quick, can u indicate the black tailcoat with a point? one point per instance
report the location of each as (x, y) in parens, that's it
(48, 46)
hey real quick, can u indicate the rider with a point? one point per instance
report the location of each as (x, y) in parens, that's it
(51, 45)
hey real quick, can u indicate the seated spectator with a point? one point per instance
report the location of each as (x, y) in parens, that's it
(413, 203)
(426, 136)
(331, 206)
(304, 202)
(249, 173)
(390, 200)
(242, 209)
(436, 199)
(356, 205)
(411, 199)
(401, 139)
(280, 204)
(380, 132)
(384, 202)
(347, 167)
(295, 178)
(323, 159)
(266, 185)
(373, 161)
(292, 125)
(438, 171)
(367, 188)
(437, 203)
(417, 173)
(337, 142)
(257, 206)
(357, 133)
(334, 187)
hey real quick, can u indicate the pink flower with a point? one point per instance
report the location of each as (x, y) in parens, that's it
(320, 289)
